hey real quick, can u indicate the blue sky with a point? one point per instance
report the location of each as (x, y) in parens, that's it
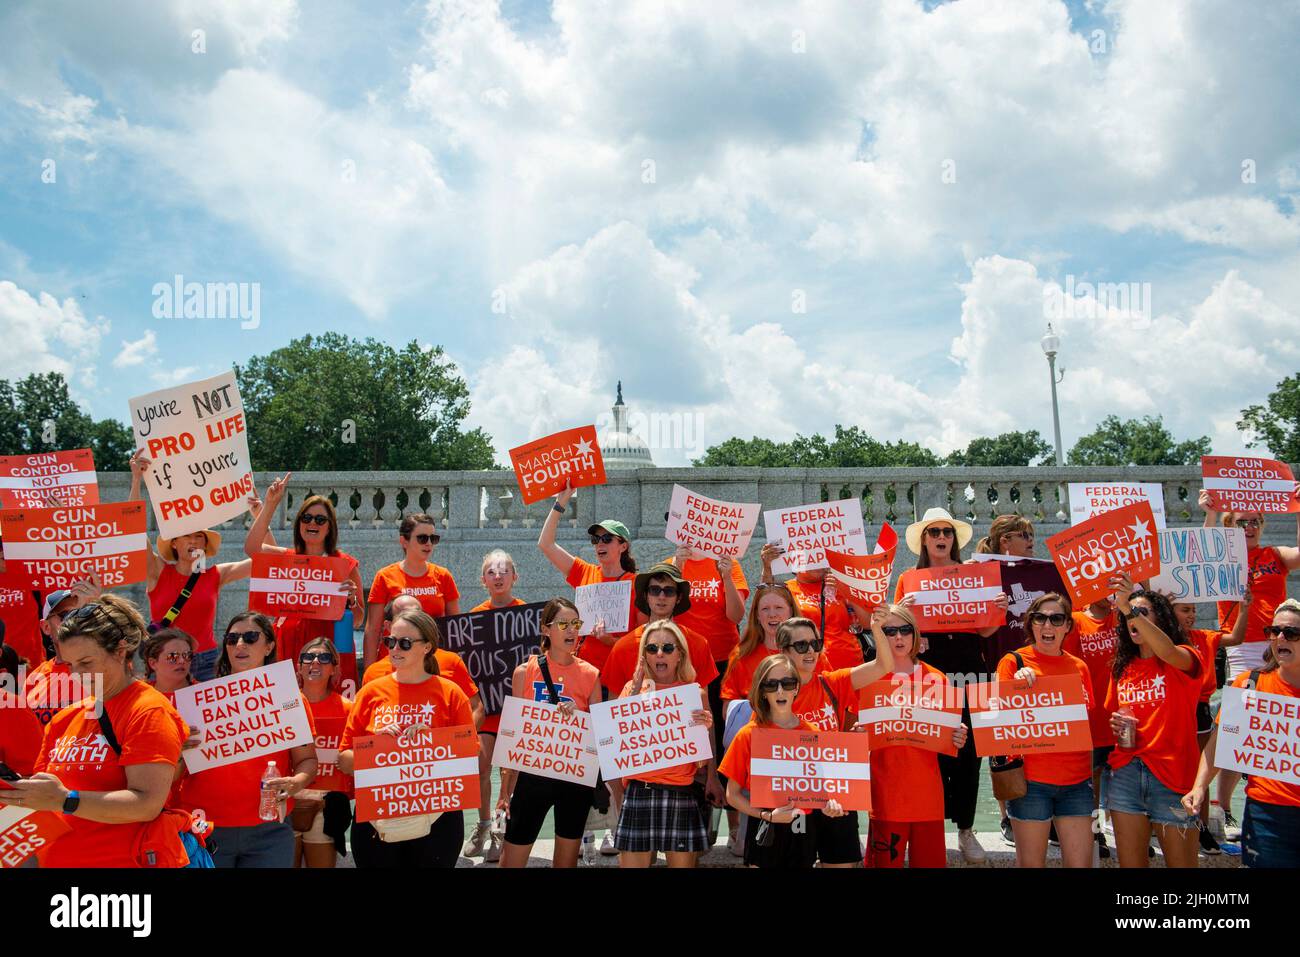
(767, 217)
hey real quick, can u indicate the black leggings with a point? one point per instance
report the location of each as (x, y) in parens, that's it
(440, 848)
(961, 780)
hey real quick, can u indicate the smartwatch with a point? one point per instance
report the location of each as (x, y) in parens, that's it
(72, 802)
(559, 508)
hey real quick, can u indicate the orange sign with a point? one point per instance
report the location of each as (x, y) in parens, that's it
(329, 731)
(1011, 717)
(47, 479)
(24, 833)
(809, 768)
(1088, 554)
(58, 547)
(304, 585)
(436, 772)
(544, 466)
(958, 597)
(920, 710)
(1248, 484)
(866, 577)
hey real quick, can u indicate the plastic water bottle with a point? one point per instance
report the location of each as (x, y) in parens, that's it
(1217, 822)
(589, 848)
(268, 805)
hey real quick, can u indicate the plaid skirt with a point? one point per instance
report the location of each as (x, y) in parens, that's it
(660, 819)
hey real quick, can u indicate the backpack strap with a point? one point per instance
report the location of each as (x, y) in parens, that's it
(546, 676)
(1253, 680)
(835, 704)
(1020, 662)
(186, 591)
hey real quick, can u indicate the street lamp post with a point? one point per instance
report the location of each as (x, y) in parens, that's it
(1051, 345)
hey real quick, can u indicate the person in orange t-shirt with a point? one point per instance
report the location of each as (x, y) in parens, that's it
(614, 562)
(20, 735)
(414, 575)
(229, 795)
(1155, 684)
(112, 793)
(1059, 784)
(20, 617)
(906, 787)
(661, 810)
(320, 677)
(1270, 826)
(412, 699)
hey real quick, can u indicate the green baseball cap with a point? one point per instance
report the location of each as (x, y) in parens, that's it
(613, 527)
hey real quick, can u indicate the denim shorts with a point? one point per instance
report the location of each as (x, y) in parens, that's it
(1133, 789)
(1270, 835)
(1042, 802)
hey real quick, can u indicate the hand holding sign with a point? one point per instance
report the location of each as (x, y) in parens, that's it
(1239, 484)
(564, 460)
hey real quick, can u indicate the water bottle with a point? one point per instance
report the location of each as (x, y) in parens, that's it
(589, 848)
(499, 823)
(268, 805)
(1127, 736)
(1217, 822)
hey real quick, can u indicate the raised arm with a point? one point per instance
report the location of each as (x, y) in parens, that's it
(1152, 635)
(259, 538)
(557, 556)
(883, 664)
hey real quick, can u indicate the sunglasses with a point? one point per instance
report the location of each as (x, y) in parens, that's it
(1282, 631)
(1251, 523)
(575, 625)
(403, 643)
(315, 520)
(891, 630)
(602, 539)
(176, 657)
(324, 657)
(940, 532)
(1058, 619)
(661, 591)
(1142, 610)
(804, 645)
(247, 637)
(667, 648)
(425, 539)
(785, 684)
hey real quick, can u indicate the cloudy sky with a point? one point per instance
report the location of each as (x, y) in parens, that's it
(769, 217)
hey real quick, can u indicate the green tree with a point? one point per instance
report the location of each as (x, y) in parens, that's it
(1276, 425)
(1009, 448)
(1143, 441)
(332, 402)
(850, 448)
(758, 452)
(37, 414)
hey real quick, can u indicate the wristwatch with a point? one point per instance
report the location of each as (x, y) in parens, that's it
(72, 802)
(559, 508)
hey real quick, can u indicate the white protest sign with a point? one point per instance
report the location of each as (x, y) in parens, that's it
(196, 436)
(1259, 733)
(243, 716)
(610, 602)
(808, 531)
(647, 732)
(1092, 498)
(535, 736)
(708, 527)
(1202, 564)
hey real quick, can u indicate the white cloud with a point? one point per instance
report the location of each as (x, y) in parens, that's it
(137, 352)
(47, 336)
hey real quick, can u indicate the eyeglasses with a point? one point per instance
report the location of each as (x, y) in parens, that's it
(1142, 610)
(1027, 536)
(324, 657)
(1282, 631)
(247, 637)
(891, 630)
(403, 643)
(1251, 523)
(425, 539)
(1057, 619)
(575, 625)
(176, 657)
(936, 532)
(804, 645)
(667, 648)
(602, 539)
(315, 520)
(785, 684)
(661, 591)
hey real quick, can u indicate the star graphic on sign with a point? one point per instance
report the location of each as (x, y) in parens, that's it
(583, 448)
(1139, 529)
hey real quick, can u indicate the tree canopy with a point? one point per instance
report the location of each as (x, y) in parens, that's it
(1143, 441)
(1276, 424)
(37, 414)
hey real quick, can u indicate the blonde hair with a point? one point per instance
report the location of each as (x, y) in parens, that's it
(495, 556)
(685, 670)
(428, 629)
(757, 699)
(1003, 525)
(905, 613)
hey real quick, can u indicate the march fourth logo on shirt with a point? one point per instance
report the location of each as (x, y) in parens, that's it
(92, 748)
(1098, 645)
(1144, 694)
(388, 718)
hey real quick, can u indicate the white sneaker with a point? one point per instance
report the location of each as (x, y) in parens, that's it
(734, 845)
(969, 846)
(492, 853)
(474, 846)
(607, 847)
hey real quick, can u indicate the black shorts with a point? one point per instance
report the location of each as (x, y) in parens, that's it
(533, 796)
(837, 839)
(789, 850)
(1204, 718)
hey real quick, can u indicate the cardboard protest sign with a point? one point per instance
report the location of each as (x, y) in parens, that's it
(24, 832)
(709, 528)
(1259, 733)
(329, 732)
(48, 480)
(1010, 717)
(1089, 553)
(493, 644)
(244, 716)
(1202, 564)
(1248, 484)
(198, 440)
(58, 547)
(650, 731)
(809, 768)
(920, 711)
(309, 586)
(434, 773)
(536, 737)
(608, 602)
(807, 532)
(958, 597)
(1090, 499)
(544, 466)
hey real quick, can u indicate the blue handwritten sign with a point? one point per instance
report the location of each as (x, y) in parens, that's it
(1202, 564)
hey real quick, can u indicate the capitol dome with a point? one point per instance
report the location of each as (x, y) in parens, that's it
(621, 447)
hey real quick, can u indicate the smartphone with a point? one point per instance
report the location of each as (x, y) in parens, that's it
(8, 774)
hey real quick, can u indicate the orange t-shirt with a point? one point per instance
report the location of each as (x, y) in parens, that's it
(813, 706)
(679, 775)
(434, 589)
(577, 681)
(74, 750)
(1267, 575)
(49, 690)
(708, 612)
(1164, 701)
(1207, 643)
(386, 706)
(1258, 787)
(843, 649)
(1094, 642)
(1064, 768)
(585, 573)
(621, 662)
(905, 780)
(20, 734)
(492, 722)
(450, 665)
(488, 606)
(735, 763)
(739, 679)
(21, 616)
(330, 717)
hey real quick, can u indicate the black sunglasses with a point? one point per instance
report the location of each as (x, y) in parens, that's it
(890, 631)
(1282, 631)
(315, 520)
(1057, 619)
(805, 645)
(324, 657)
(247, 637)
(661, 591)
(403, 643)
(939, 532)
(785, 684)
(602, 539)
(86, 612)
(1142, 610)
(425, 538)
(667, 648)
